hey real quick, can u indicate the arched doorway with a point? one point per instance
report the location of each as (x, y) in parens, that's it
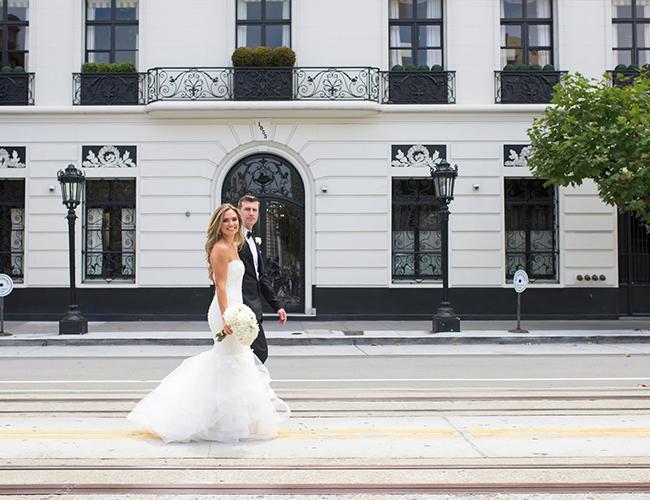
(281, 226)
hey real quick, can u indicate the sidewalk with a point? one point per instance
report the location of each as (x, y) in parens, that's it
(305, 332)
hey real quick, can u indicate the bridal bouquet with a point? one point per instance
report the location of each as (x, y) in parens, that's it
(242, 320)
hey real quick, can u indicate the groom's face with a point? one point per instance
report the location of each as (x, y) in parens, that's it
(250, 211)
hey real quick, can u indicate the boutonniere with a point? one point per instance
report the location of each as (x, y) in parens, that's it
(258, 240)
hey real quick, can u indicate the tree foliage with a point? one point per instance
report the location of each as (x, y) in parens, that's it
(598, 131)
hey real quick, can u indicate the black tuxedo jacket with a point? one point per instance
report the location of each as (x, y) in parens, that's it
(253, 289)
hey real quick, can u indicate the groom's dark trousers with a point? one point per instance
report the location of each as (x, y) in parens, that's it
(253, 290)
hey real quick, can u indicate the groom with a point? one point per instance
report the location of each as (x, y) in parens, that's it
(255, 285)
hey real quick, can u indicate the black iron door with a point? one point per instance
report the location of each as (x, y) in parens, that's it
(633, 265)
(281, 193)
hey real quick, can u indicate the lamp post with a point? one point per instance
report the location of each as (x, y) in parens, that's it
(72, 182)
(444, 179)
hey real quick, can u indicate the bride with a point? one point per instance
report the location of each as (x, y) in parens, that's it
(223, 394)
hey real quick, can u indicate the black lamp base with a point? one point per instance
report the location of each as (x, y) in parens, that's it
(73, 322)
(445, 319)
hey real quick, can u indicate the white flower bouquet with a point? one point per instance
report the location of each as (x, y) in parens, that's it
(242, 320)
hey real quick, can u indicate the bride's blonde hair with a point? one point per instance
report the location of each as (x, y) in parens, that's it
(214, 232)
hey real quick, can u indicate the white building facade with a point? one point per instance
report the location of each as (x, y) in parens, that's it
(341, 162)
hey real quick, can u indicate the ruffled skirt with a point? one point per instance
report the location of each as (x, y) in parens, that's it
(214, 396)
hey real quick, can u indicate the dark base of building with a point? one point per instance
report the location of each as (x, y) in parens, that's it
(191, 304)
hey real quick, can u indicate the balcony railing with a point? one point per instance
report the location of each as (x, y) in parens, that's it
(16, 89)
(623, 78)
(526, 87)
(419, 87)
(106, 89)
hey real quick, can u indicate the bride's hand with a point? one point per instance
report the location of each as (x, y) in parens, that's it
(226, 329)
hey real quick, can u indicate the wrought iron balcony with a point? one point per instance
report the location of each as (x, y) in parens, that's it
(419, 87)
(16, 89)
(106, 89)
(623, 78)
(526, 87)
(262, 84)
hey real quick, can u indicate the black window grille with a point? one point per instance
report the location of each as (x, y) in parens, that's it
(531, 229)
(14, 27)
(631, 32)
(112, 31)
(263, 23)
(109, 239)
(417, 244)
(12, 228)
(526, 32)
(415, 32)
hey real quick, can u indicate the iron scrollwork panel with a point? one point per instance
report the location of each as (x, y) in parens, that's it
(283, 245)
(419, 87)
(16, 89)
(12, 228)
(337, 84)
(110, 230)
(531, 229)
(193, 84)
(105, 89)
(534, 87)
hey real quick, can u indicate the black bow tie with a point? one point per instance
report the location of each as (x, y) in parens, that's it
(249, 234)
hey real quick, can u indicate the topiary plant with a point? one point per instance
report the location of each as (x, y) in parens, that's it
(103, 67)
(397, 67)
(509, 67)
(535, 67)
(436, 67)
(19, 69)
(127, 67)
(548, 67)
(410, 67)
(283, 57)
(522, 67)
(6, 69)
(89, 67)
(423, 67)
(620, 67)
(262, 56)
(645, 66)
(633, 67)
(242, 57)
(113, 68)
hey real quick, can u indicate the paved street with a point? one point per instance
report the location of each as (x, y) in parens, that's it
(367, 419)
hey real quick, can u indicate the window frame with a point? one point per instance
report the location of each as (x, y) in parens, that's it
(529, 202)
(635, 22)
(263, 23)
(525, 22)
(5, 24)
(110, 204)
(415, 23)
(112, 23)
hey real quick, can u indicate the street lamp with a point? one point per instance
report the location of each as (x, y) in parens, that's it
(444, 179)
(72, 182)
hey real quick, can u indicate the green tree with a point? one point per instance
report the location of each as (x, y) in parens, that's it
(599, 131)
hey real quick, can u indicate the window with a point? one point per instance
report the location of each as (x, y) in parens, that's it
(631, 31)
(263, 23)
(417, 242)
(109, 243)
(14, 26)
(531, 230)
(526, 32)
(112, 31)
(12, 228)
(415, 32)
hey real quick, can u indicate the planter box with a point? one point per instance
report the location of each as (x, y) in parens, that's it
(16, 89)
(623, 78)
(106, 89)
(419, 87)
(263, 84)
(527, 87)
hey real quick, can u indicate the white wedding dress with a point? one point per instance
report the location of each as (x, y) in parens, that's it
(223, 394)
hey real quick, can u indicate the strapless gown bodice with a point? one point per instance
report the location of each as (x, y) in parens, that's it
(223, 394)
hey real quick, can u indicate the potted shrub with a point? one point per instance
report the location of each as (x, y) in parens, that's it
(528, 84)
(109, 84)
(263, 74)
(418, 85)
(14, 86)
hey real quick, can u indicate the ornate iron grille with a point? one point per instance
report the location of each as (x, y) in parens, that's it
(337, 84)
(417, 243)
(633, 264)
(531, 229)
(17, 89)
(419, 87)
(12, 228)
(526, 87)
(109, 89)
(281, 193)
(109, 238)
